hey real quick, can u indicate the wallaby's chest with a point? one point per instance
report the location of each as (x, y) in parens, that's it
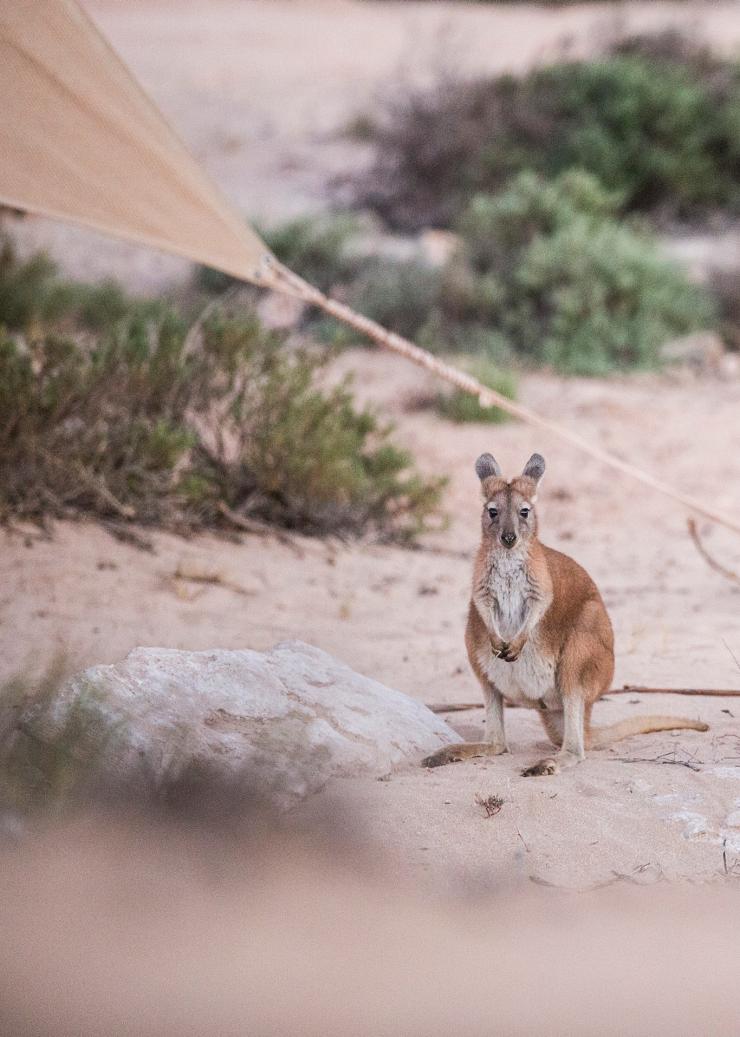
(508, 594)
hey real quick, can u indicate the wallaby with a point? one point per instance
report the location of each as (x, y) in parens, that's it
(538, 633)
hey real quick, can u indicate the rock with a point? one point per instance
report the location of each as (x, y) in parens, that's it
(729, 367)
(703, 352)
(280, 312)
(287, 720)
(437, 247)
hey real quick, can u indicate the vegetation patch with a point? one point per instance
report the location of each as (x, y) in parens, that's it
(398, 294)
(546, 272)
(461, 407)
(655, 119)
(137, 422)
(571, 286)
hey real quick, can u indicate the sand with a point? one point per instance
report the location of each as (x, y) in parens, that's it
(398, 615)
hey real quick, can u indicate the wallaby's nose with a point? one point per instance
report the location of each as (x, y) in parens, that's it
(508, 539)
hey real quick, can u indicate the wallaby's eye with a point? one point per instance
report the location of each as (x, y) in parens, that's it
(524, 512)
(493, 512)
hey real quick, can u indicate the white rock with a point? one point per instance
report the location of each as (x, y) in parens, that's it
(279, 311)
(694, 824)
(733, 819)
(729, 366)
(437, 247)
(703, 351)
(290, 718)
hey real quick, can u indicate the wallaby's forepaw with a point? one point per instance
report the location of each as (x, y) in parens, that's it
(543, 767)
(499, 649)
(511, 652)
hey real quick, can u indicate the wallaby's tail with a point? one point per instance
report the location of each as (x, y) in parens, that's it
(601, 737)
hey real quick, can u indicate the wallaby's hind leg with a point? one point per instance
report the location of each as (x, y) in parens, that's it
(584, 672)
(495, 732)
(571, 750)
(552, 721)
(495, 742)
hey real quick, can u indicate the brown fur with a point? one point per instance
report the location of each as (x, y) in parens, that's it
(529, 598)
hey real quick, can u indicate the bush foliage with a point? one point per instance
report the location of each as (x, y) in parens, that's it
(656, 120)
(33, 297)
(138, 422)
(571, 286)
(546, 274)
(400, 295)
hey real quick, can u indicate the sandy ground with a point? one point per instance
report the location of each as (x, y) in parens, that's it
(399, 616)
(239, 73)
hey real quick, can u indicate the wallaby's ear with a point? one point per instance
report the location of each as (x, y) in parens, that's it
(534, 468)
(486, 466)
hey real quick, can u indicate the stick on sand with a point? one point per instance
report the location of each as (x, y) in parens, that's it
(635, 689)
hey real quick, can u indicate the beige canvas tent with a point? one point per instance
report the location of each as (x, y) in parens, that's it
(81, 141)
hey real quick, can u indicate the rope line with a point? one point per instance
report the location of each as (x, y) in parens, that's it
(289, 283)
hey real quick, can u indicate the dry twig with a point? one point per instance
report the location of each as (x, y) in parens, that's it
(638, 689)
(628, 689)
(205, 576)
(728, 574)
(691, 764)
(249, 525)
(453, 707)
(491, 804)
(732, 654)
(128, 535)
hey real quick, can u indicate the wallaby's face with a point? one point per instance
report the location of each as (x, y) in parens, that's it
(509, 518)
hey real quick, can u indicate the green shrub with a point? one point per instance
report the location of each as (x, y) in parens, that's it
(138, 424)
(658, 125)
(397, 294)
(317, 248)
(462, 407)
(445, 333)
(495, 227)
(594, 299)
(33, 298)
(308, 459)
(546, 273)
(549, 275)
(652, 131)
(575, 288)
(43, 768)
(27, 290)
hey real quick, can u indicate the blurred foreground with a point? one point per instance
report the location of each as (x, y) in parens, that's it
(167, 928)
